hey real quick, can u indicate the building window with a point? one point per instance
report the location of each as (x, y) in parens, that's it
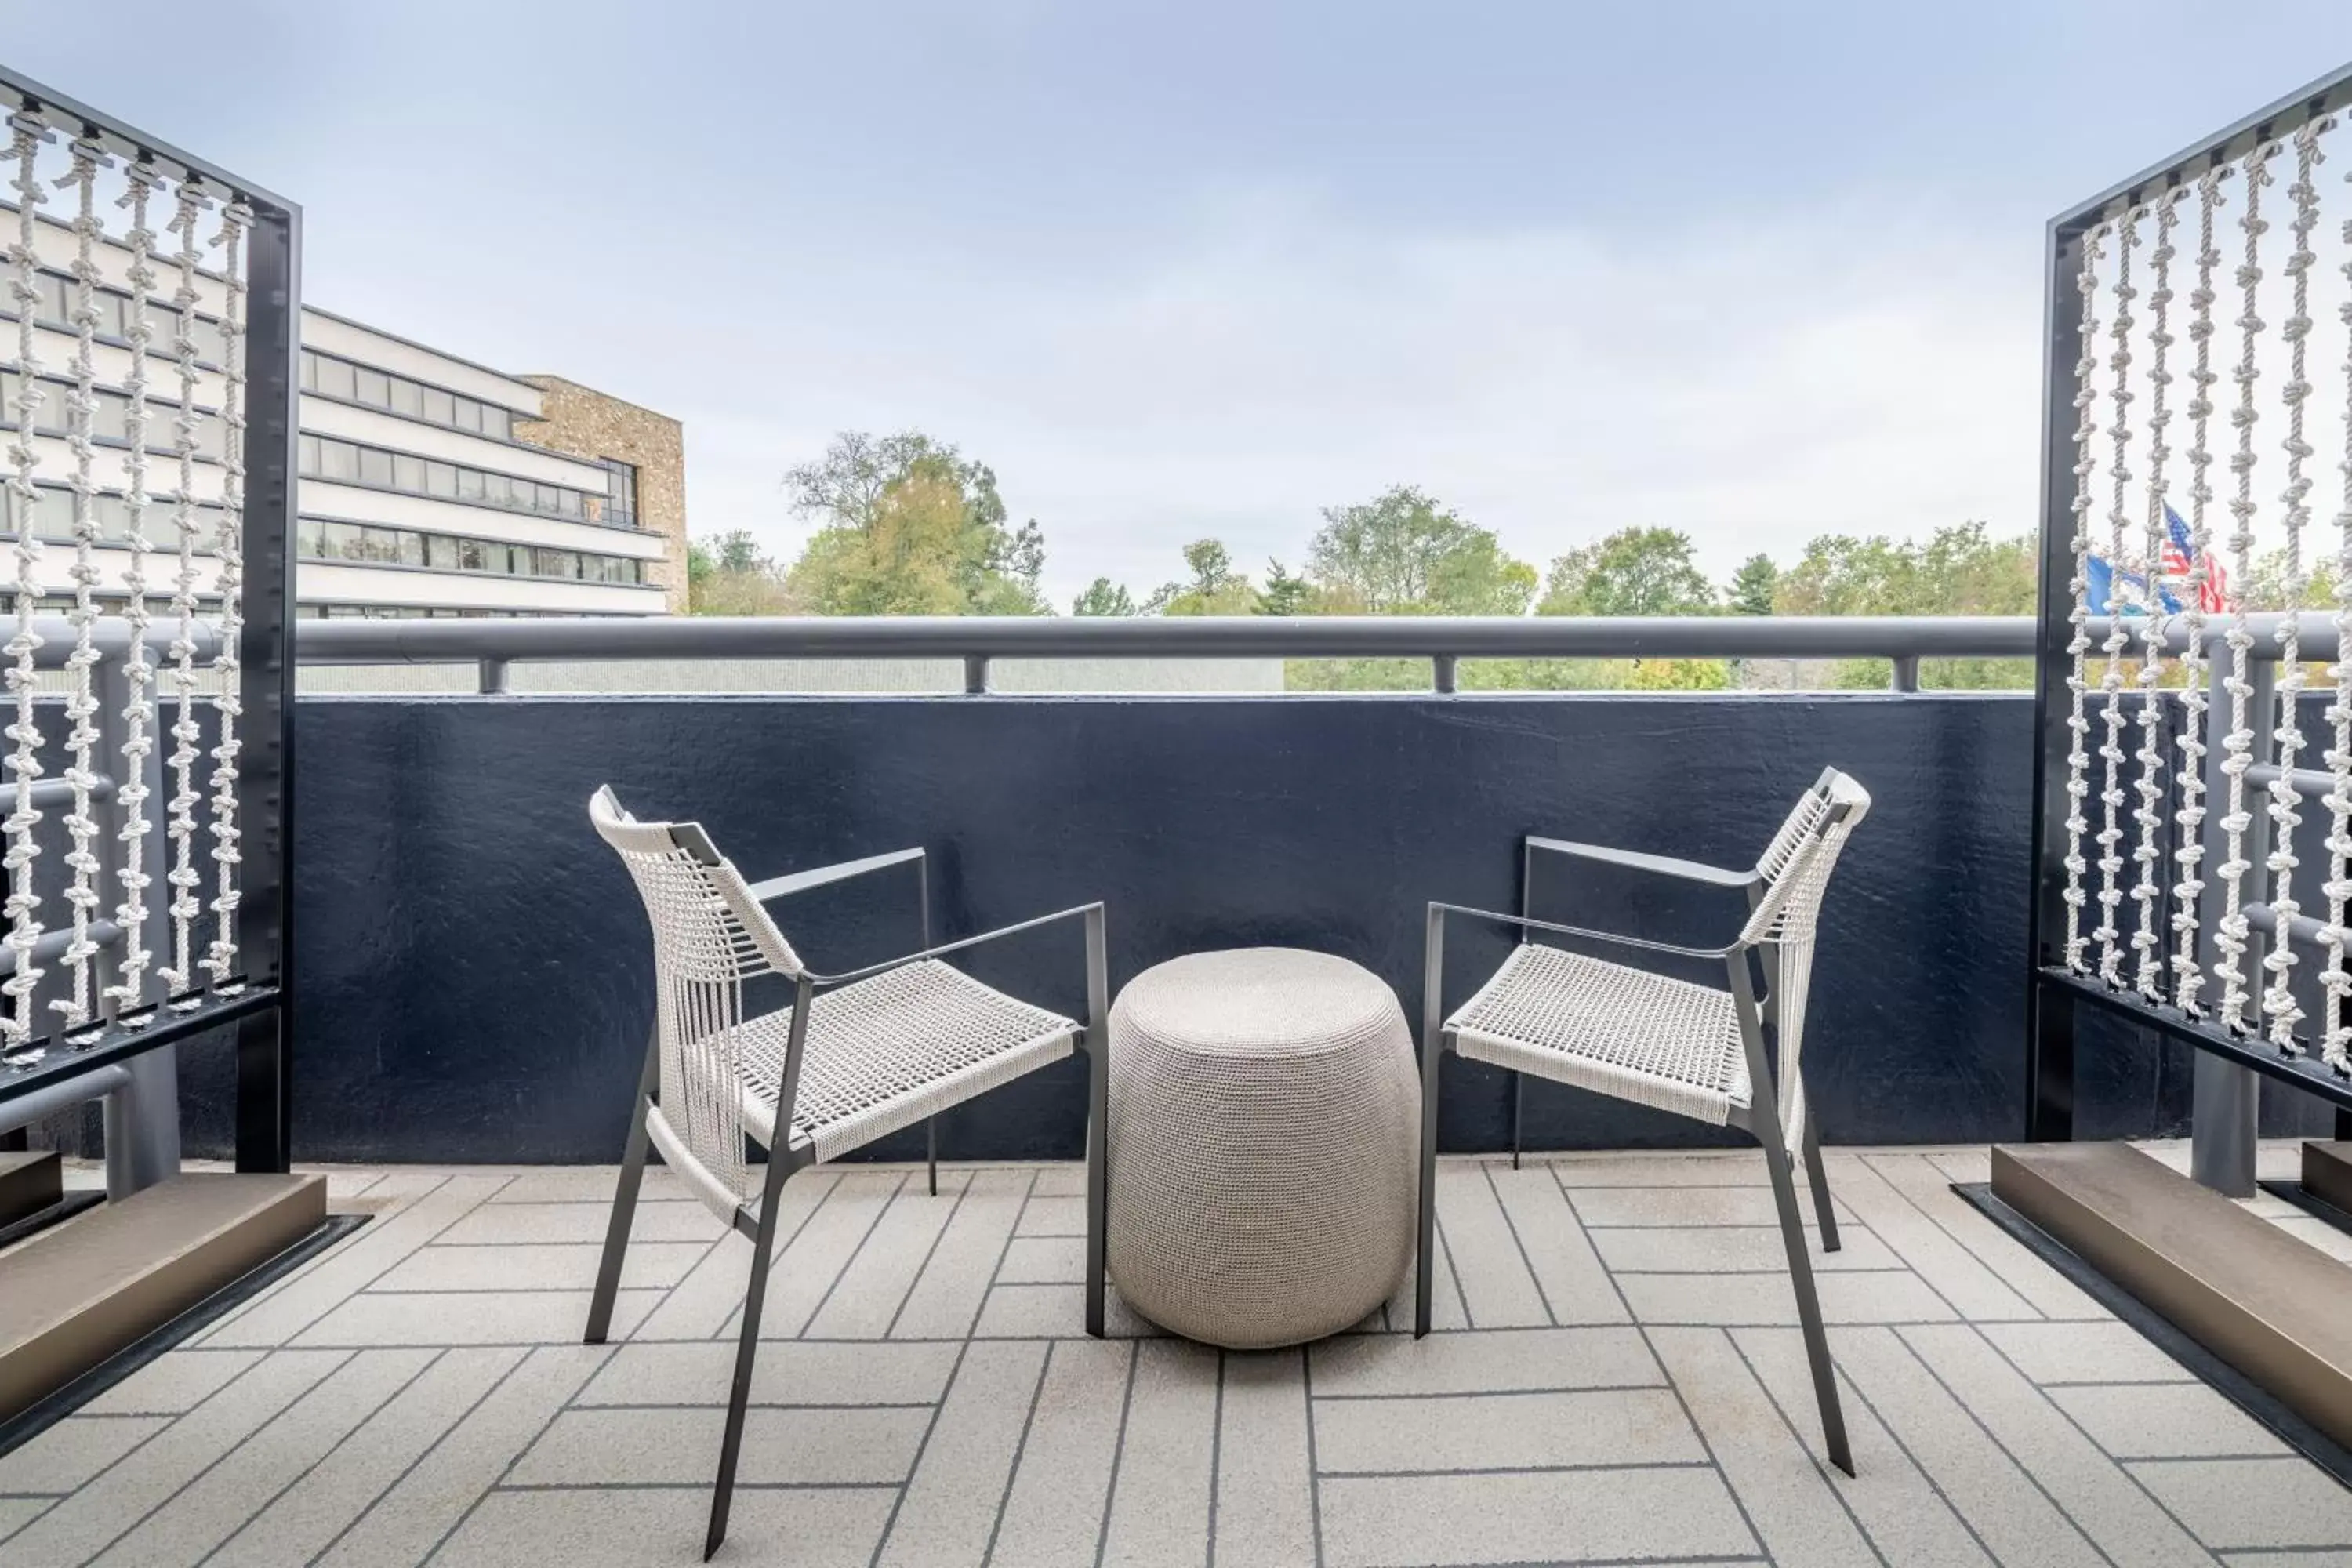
(316, 539)
(621, 493)
(58, 292)
(111, 423)
(53, 518)
(348, 462)
(346, 382)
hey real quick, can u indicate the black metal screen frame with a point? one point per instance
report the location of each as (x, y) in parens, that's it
(2054, 991)
(255, 1003)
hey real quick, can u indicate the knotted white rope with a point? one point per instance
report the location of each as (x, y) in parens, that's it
(2286, 737)
(2118, 639)
(2188, 893)
(221, 957)
(2147, 939)
(25, 760)
(138, 743)
(2229, 938)
(181, 827)
(2335, 1043)
(81, 702)
(2078, 616)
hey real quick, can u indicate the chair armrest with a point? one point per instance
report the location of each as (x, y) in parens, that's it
(1657, 865)
(1617, 938)
(872, 970)
(817, 876)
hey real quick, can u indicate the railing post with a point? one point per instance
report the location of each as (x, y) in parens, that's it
(1440, 674)
(1907, 673)
(494, 680)
(975, 675)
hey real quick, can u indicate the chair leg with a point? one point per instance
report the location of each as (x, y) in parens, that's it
(931, 1148)
(1097, 1182)
(1433, 1047)
(1767, 1127)
(747, 1351)
(1818, 1178)
(1518, 1099)
(625, 1203)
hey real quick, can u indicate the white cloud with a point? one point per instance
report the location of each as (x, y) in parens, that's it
(1752, 382)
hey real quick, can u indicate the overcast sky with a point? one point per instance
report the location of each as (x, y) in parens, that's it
(1754, 271)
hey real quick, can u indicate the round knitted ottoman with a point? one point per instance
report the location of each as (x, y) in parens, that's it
(1265, 1111)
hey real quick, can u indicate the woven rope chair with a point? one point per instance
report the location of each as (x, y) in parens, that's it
(1699, 1051)
(853, 1057)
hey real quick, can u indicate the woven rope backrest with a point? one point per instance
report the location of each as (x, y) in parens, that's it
(1790, 912)
(709, 937)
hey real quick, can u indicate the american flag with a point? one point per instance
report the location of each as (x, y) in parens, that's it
(2179, 564)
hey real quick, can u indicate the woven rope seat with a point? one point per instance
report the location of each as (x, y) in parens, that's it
(1264, 1114)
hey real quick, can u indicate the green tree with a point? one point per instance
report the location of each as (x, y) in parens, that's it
(1403, 553)
(1286, 593)
(730, 575)
(1961, 570)
(1753, 585)
(1215, 589)
(1103, 597)
(907, 525)
(1633, 572)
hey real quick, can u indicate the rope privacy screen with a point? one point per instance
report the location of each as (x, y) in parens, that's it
(2194, 831)
(146, 390)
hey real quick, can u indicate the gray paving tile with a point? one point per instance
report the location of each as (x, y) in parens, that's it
(218, 1503)
(791, 1372)
(1160, 1499)
(176, 1381)
(1575, 1286)
(1266, 1516)
(947, 1296)
(1514, 1359)
(469, 1318)
(651, 1527)
(867, 1297)
(2000, 1503)
(1732, 1250)
(1056, 1311)
(1052, 1516)
(1923, 1183)
(306, 1519)
(2101, 1499)
(950, 1505)
(705, 1301)
(1054, 1215)
(1044, 1260)
(679, 1446)
(1444, 1300)
(1498, 1290)
(1708, 1168)
(2107, 1352)
(1775, 1474)
(1688, 1205)
(1762, 1301)
(1061, 1179)
(1545, 1517)
(69, 1453)
(541, 1265)
(804, 1273)
(433, 1496)
(1974, 1289)
(2288, 1559)
(1505, 1431)
(2232, 1503)
(590, 1184)
(1900, 1509)
(2164, 1421)
(90, 1520)
(2316, 1232)
(16, 1512)
(583, 1223)
(353, 1265)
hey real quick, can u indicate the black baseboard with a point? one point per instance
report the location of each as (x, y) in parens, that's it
(2159, 1330)
(34, 1420)
(2303, 1198)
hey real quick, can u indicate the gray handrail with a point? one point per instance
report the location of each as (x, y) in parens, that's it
(495, 644)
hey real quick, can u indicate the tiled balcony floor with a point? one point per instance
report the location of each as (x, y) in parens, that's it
(1619, 1380)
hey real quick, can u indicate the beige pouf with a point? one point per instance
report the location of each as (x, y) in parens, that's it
(1263, 1120)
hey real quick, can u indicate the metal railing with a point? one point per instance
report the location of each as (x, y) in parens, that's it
(494, 647)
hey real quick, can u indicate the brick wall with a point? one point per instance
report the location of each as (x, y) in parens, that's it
(584, 423)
